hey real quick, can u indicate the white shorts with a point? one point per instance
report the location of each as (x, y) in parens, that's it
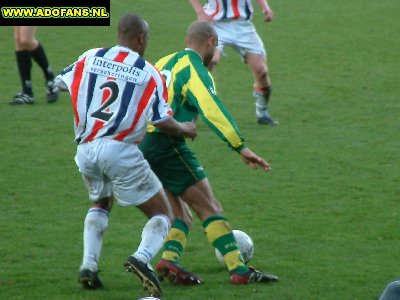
(110, 167)
(241, 35)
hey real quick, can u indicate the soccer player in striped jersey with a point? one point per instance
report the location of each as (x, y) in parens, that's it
(114, 92)
(192, 93)
(232, 21)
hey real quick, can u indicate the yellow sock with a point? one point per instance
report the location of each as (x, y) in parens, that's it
(220, 235)
(175, 241)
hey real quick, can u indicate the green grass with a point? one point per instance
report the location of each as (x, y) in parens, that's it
(325, 220)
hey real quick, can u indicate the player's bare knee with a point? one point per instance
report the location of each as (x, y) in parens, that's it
(23, 43)
(166, 209)
(261, 74)
(158, 204)
(105, 203)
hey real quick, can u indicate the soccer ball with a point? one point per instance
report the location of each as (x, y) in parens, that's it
(245, 244)
(149, 298)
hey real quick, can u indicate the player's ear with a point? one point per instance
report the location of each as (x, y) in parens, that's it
(211, 42)
(142, 43)
(142, 38)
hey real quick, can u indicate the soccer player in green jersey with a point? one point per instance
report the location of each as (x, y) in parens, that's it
(191, 92)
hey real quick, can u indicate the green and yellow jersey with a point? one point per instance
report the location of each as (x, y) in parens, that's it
(191, 91)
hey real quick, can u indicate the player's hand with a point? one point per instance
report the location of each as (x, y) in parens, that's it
(253, 160)
(189, 130)
(268, 15)
(60, 85)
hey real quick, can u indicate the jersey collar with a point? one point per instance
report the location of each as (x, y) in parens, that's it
(190, 49)
(125, 48)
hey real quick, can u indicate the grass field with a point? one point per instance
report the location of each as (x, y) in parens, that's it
(325, 220)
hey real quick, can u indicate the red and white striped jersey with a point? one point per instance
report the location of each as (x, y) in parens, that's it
(229, 9)
(114, 93)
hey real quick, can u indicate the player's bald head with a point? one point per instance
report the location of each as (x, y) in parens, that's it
(132, 32)
(131, 26)
(200, 32)
(202, 38)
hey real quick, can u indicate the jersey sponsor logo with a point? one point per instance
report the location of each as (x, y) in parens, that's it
(109, 68)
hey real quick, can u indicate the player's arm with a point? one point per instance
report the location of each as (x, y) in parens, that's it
(60, 85)
(161, 117)
(64, 79)
(175, 128)
(198, 8)
(217, 117)
(227, 130)
(267, 11)
(201, 94)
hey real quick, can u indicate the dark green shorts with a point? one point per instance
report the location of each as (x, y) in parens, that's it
(173, 162)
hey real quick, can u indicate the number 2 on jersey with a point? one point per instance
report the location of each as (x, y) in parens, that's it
(114, 91)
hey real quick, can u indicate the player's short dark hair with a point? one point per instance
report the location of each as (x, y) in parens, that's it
(131, 26)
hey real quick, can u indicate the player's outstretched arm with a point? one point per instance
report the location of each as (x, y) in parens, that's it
(173, 127)
(60, 85)
(198, 8)
(267, 11)
(253, 160)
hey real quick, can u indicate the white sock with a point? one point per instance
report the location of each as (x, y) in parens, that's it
(261, 103)
(153, 235)
(96, 223)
